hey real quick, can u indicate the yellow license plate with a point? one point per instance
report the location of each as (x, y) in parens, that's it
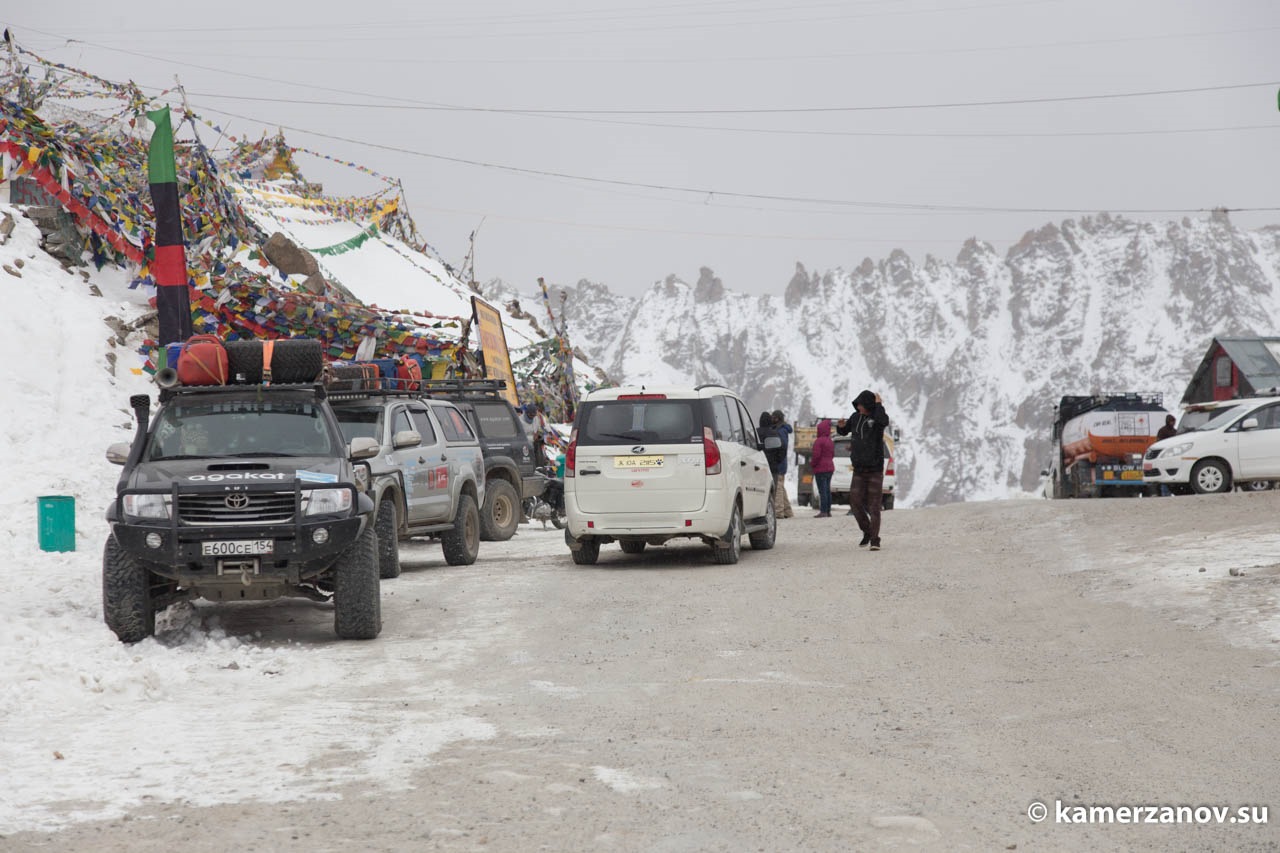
(638, 461)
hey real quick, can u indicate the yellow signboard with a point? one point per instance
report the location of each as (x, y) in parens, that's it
(493, 346)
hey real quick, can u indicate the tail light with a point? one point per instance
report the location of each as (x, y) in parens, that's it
(888, 468)
(571, 453)
(710, 452)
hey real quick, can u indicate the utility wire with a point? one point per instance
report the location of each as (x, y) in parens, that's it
(711, 193)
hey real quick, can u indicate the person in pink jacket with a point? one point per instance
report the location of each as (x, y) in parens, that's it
(823, 465)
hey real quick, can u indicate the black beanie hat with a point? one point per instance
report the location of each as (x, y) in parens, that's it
(866, 399)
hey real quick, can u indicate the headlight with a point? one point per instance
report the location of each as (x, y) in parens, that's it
(146, 506)
(328, 501)
(1177, 449)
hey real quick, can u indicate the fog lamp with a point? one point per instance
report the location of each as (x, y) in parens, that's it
(154, 540)
(320, 535)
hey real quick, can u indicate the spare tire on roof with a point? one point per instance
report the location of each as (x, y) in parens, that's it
(293, 360)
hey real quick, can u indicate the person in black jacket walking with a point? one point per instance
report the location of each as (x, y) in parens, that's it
(865, 427)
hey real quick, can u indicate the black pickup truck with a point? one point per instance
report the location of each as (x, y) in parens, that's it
(240, 493)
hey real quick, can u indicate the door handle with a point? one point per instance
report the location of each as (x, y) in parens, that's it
(443, 458)
(585, 473)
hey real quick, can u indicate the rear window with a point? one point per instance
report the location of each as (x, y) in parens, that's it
(653, 421)
(495, 421)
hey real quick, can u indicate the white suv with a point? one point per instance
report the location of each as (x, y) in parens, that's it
(648, 464)
(1239, 443)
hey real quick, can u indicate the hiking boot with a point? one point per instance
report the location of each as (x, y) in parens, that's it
(875, 544)
(866, 540)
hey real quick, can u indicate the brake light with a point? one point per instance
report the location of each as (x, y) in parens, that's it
(888, 468)
(642, 396)
(710, 452)
(571, 453)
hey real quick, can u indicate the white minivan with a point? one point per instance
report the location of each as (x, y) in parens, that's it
(649, 464)
(1239, 443)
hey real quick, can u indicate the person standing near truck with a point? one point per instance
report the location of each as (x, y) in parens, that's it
(865, 427)
(822, 461)
(781, 503)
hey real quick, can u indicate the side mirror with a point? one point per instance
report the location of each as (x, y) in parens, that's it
(406, 438)
(118, 453)
(363, 447)
(1249, 423)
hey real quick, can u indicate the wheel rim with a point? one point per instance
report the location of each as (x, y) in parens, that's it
(1210, 478)
(502, 511)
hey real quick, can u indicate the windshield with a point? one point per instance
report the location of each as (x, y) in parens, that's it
(1218, 419)
(359, 422)
(241, 428)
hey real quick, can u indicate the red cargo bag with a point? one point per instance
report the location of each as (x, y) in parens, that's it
(408, 373)
(203, 361)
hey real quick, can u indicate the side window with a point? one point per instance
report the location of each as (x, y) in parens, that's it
(720, 414)
(1269, 417)
(735, 422)
(400, 422)
(453, 424)
(422, 423)
(749, 437)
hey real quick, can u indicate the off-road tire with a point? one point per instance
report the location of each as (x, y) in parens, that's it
(501, 514)
(762, 540)
(887, 502)
(588, 554)
(127, 605)
(292, 361)
(632, 546)
(727, 555)
(1210, 476)
(461, 545)
(388, 540)
(357, 591)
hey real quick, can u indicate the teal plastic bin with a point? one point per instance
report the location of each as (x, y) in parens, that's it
(57, 523)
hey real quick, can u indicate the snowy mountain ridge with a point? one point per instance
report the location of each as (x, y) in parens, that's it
(970, 355)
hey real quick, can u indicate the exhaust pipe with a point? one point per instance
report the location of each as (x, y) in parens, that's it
(166, 377)
(141, 405)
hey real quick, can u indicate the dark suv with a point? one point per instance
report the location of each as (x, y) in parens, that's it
(240, 493)
(509, 460)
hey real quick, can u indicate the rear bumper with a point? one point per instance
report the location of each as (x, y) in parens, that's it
(705, 522)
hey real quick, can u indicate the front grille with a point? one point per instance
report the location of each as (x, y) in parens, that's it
(258, 508)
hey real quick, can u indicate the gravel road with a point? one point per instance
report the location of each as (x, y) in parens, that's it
(812, 697)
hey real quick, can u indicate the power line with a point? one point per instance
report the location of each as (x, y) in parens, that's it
(712, 193)
(762, 130)
(701, 59)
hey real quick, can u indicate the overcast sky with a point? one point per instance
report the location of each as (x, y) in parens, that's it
(625, 141)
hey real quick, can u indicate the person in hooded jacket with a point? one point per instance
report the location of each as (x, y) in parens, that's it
(782, 503)
(822, 461)
(865, 427)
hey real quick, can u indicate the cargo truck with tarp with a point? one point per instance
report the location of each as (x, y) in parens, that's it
(1098, 443)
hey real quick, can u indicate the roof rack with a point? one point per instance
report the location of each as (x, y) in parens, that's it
(316, 388)
(486, 387)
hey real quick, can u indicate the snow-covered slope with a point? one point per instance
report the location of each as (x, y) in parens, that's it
(970, 355)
